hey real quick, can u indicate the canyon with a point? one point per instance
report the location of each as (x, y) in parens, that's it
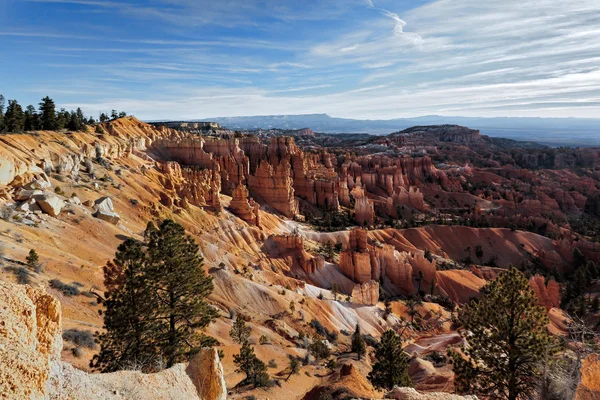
(337, 230)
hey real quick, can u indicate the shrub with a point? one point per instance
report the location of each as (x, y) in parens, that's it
(66, 289)
(263, 340)
(77, 352)
(80, 338)
(23, 275)
(272, 364)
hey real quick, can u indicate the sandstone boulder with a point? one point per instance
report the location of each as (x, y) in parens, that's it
(105, 211)
(25, 194)
(405, 393)
(50, 204)
(38, 184)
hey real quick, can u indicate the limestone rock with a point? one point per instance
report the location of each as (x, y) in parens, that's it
(50, 204)
(30, 366)
(105, 211)
(404, 393)
(366, 293)
(589, 388)
(26, 194)
(30, 340)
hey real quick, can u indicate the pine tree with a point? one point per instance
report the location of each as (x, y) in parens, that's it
(113, 114)
(391, 365)
(129, 316)
(294, 366)
(182, 288)
(48, 114)
(248, 363)
(334, 291)
(31, 118)
(14, 119)
(358, 343)
(75, 123)
(240, 333)
(507, 338)
(62, 119)
(33, 259)
(1, 113)
(80, 116)
(103, 118)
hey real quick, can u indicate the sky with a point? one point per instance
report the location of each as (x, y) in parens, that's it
(364, 59)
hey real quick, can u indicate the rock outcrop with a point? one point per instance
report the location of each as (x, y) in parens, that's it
(366, 293)
(246, 209)
(30, 366)
(404, 393)
(105, 211)
(589, 388)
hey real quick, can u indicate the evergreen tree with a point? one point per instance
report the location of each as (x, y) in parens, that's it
(507, 338)
(182, 287)
(248, 363)
(14, 119)
(122, 114)
(318, 348)
(358, 343)
(129, 316)
(31, 118)
(113, 114)
(391, 365)
(155, 301)
(33, 259)
(294, 366)
(240, 333)
(80, 116)
(62, 119)
(1, 113)
(103, 118)
(48, 114)
(75, 123)
(334, 291)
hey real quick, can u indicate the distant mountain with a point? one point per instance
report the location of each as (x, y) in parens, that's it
(549, 131)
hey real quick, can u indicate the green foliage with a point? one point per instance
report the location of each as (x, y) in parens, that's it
(14, 120)
(240, 333)
(33, 259)
(358, 343)
(319, 349)
(32, 120)
(294, 366)
(507, 338)
(155, 301)
(67, 289)
(391, 363)
(331, 364)
(248, 363)
(48, 114)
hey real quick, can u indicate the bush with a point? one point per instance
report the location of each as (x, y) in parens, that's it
(77, 352)
(80, 338)
(23, 275)
(263, 340)
(66, 289)
(272, 364)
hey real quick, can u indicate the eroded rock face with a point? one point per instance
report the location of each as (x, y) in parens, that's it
(30, 366)
(589, 388)
(246, 209)
(404, 393)
(548, 294)
(30, 341)
(367, 293)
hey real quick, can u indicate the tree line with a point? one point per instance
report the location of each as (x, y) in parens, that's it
(15, 119)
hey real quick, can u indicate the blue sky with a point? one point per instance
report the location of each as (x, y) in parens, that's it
(183, 59)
